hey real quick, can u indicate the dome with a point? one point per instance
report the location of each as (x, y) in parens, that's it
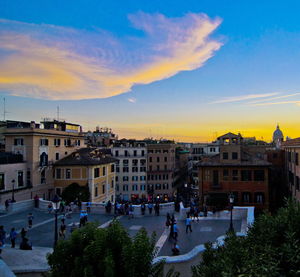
(277, 135)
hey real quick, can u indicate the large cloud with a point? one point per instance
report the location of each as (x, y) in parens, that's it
(52, 62)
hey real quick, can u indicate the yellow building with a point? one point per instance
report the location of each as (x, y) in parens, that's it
(41, 145)
(90, 167)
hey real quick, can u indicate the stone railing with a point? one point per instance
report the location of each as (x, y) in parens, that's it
(5, 271)
(183, 263)
(19, 206)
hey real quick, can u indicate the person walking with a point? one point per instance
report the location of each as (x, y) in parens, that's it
(12, 237)
(188, 225)
(131, 210)
(175, 231)
(88, 207)
(30, 220)
(62, 230)
(6, 203)
(175, 249)
(168, 221)
(143, 208)
(63, 218)
(150, 207)
(156, 208)
(36, 201)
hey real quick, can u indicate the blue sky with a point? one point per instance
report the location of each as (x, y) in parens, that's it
(89, 55)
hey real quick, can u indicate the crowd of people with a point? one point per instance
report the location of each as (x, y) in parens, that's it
(127, 208)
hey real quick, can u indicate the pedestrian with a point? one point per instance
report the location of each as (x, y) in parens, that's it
(188, 225)
(30, 219)
(108, 207)
(2, 238)
(62, 206)
(175, 231)
(50, 208)
(175, 249)
(6, 203)
(62, 230)
(36, 201)
(12, 237)
(156, 208)
(25, 245)
(143, 208)
(131, 210)
(168, 221)
(23, 233)
(150, 207)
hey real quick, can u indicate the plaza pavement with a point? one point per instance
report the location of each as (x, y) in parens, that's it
(42, 232)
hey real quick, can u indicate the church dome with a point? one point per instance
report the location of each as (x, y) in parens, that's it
(277, 135)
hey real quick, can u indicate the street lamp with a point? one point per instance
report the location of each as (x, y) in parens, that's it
(13, 191)
(55, 205)
(231, 200)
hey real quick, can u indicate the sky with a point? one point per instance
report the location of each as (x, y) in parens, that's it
(186, 70)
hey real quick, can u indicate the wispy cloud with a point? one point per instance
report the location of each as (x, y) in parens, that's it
(243, 98)
(278, 103)
(132, 100)
(52, 62)
(274, 98)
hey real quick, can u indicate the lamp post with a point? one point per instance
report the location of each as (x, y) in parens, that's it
(56, 205)
(231, 200)
(13, 190)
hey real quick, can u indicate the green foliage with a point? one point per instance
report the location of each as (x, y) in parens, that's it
(271, 248)
(74, 192)
(93, 252)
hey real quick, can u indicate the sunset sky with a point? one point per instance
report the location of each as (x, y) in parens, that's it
(185, 70)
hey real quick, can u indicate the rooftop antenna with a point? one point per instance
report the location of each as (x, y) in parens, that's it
(4, 109)
(57, 113)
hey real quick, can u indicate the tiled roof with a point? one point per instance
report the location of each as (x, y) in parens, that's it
(87, 156)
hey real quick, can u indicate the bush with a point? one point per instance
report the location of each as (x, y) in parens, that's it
(271, 248)
(74, 192)
(91, 251)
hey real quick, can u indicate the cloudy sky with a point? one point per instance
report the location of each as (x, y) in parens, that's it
(189, 70)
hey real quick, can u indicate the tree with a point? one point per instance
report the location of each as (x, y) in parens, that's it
(271, 248)
(94, 252)
(74, 192)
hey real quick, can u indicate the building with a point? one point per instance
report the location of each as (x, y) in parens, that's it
(162, 172)
(41, 145)
(102, 137)
(278, 137)
(131, 167)
(91, 167)
(234, 170)
(12, 178)
(292, 168)
(198, 151)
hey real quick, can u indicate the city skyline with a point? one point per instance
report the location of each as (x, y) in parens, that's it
(187, 71)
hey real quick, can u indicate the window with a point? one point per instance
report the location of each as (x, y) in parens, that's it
(57, 156)
(103, 188)
(117, 178)
(125, 169)
(246, 175)
(165, 151)
(96, 172)
(43, 159)
(259, 197)
(18, 141)
(58, 173)
(235, 175)
(157, 159)
(2, 183)
(135, 162)
(165, 159)
(150, 159)
(207, 175)
(68, 173)
(259, 175)
(143, 152)
(142, 178)
(166, 167)
(43, 177)
(20, 179)
(125, 178)
(103, 171)
(225, 156)
(135, 169)
(117, 153)
(56, 142)
(150, 151)
(96, 191)
(28, 178)
(112, 183)
(246, 197)
(135, 178)
(150, 168)
(112, 168)
(134, 153)
(77, 142)
(157, 167)
(143, 169)
(117, 187)
(225, 174)
(296, 158)
(289, 156)
(157, 151)
(66, 153)
(44, 142)
(126, 153)
(212, 149)
(234, 155)
(125, 162)
(67, 142)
